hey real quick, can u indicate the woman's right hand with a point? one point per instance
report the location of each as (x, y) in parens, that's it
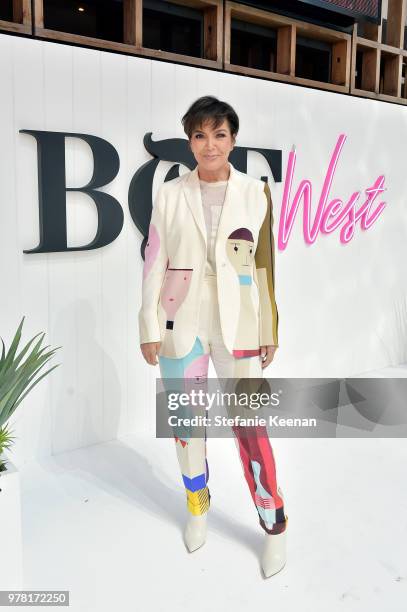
(150, 352)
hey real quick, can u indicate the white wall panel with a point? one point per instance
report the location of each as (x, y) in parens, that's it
(34, 417)
(114, 276)
(10, 251)
(138, 116)
(87, 118)
(63, 382)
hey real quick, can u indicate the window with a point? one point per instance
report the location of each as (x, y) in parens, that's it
(389, 73)
(169, 27)
(313, 59)
(94, 18)
(365, 76)
(253, 46)
(6, 10)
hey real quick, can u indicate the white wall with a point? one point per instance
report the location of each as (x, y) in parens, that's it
(342, 307)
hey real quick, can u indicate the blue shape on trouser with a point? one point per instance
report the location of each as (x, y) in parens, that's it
(196, 483)
(267, 514)
(174, 367)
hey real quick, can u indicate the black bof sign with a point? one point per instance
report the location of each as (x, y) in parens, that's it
(52, 186)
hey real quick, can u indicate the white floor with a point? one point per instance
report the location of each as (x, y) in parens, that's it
(105, 522)
(399, 371)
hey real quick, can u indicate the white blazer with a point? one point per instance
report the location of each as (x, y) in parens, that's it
(174, 267)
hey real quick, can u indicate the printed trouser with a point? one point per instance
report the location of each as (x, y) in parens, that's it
(253, 443)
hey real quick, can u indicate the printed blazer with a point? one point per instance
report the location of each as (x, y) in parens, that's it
(174, 267)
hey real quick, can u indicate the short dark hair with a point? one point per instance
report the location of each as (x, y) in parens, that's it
(212, 109)
(242, 233)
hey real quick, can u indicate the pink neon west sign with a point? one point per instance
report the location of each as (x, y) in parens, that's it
(331, 215)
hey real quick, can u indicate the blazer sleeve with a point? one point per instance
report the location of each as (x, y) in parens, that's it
(264, 261)
(155, 265)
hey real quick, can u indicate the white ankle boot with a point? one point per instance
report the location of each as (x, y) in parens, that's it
(274, 555)
(195, 531)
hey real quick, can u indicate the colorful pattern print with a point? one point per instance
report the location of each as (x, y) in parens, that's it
(264, 259)
(178, 227)
(239, 249)
(253, 445)
(174, 291)
(183, 375)
(257, 459)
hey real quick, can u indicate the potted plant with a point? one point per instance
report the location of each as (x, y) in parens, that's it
(17, 378)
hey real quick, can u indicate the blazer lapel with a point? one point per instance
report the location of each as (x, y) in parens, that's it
(232, 195)
(192, 191)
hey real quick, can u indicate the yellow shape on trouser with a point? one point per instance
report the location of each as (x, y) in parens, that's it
(198, 501)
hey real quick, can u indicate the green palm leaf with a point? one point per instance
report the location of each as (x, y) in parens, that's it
(18, 377)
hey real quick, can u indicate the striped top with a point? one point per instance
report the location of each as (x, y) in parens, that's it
(213, 196)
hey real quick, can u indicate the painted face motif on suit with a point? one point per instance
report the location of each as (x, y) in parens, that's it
(239, 248)
(240, 251)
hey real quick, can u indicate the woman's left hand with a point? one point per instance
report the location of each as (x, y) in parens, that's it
(267, 355)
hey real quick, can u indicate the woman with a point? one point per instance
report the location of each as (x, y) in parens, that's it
(208, 291)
